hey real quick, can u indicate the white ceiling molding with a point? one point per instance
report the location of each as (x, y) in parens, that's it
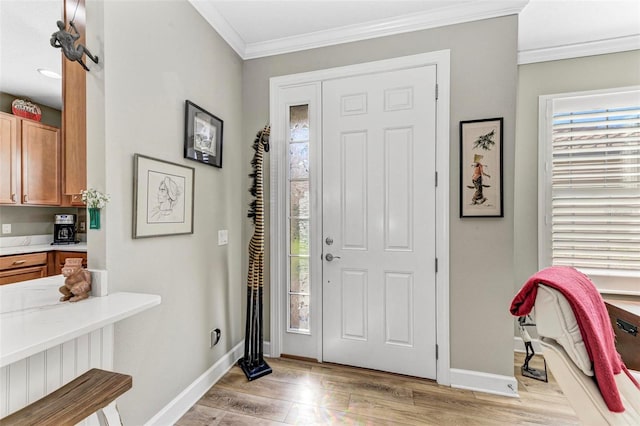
(220, 24)
(577, 50)
(379, 28)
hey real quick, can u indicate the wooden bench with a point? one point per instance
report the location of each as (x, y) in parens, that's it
(73, 402)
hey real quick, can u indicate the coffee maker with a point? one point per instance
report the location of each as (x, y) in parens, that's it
(64, 229)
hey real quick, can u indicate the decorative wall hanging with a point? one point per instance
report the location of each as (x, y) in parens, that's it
(66, 40)
(481, 168)
(253, 363)
(202, 136)
(95, 200)
(162, 198)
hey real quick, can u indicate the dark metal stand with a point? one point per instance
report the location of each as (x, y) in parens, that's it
(253, 363)
(527, 371)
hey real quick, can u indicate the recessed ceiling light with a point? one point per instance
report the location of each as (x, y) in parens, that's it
(49, 73)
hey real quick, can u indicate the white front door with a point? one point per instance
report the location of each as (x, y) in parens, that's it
(379, 221)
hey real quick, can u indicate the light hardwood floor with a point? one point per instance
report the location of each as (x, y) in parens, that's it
(306, 393)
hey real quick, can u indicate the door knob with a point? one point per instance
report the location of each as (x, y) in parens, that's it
(329, 257)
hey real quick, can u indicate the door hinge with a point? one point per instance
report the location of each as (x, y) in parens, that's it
(436, 178)
(436, 92)
(436, 264)
(436, 352)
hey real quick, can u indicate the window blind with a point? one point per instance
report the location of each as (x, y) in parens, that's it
(595, 196)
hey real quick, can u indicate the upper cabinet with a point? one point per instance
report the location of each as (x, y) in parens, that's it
(30, 162)
(9, 159)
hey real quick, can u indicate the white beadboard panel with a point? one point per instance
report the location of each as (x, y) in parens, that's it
(29, 379)
(53, 368)
(36, 377)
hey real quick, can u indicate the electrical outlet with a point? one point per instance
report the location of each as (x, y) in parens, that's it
(83, 226)
(223, 237)
(6, 228)
(214, 337)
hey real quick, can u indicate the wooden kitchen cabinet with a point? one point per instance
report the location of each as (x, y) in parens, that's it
(22, 267)
(30, 166)
(40, 164)
(9, 158)
(61, 256)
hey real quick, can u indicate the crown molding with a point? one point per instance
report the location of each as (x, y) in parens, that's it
(209, 12)
(456, 14)
(577, 50)
(386, 27)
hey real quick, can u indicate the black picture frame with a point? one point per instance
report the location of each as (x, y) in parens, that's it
(481, 186)
(202, 135)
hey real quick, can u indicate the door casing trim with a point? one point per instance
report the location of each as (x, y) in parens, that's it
(439, 58)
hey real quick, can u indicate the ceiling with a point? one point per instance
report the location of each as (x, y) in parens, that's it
(548, 29)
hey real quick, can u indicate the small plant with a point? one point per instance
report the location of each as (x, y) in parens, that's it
(94, 198)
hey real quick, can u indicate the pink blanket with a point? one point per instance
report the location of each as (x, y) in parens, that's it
(593, 321)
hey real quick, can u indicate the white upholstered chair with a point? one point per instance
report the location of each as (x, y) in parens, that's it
(566, 356)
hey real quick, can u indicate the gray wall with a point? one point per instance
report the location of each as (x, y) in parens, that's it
(33, 220)
(483, 85)
(547, 78)
(155, 57)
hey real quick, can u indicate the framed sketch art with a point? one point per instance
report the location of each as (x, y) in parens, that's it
(481, 168)
(202, 136)
(162, 198)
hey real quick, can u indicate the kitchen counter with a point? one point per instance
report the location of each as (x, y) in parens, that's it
(33, 320)
(35, 244)
(5, 251)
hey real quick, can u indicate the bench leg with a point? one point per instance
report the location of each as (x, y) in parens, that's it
(109, 416)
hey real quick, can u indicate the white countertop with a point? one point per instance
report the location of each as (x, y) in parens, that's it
(35, 244)
(80, 247)
(33, 320)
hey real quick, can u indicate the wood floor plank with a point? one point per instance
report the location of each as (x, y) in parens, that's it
(302, 414)
(242, 403)
(201, 415)
(300, 393)
(304, 392)
(234, 419)
(408, 414)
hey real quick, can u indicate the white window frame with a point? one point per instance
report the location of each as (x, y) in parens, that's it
(618, 283)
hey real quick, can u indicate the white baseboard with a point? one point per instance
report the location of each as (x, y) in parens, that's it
(484, 382)
(518, 345)
(173, 411)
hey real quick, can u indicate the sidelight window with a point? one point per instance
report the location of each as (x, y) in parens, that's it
(299, 289)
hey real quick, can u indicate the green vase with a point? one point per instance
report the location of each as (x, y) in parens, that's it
(94, 218)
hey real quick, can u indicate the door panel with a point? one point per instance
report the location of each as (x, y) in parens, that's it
(379, 209)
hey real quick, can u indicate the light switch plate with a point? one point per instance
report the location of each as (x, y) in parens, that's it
(223, 237)
(6, 228)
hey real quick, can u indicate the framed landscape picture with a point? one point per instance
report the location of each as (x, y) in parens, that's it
(481, 168)
(202, 135)
(162, 198)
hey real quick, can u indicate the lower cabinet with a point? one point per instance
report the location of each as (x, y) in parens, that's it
(61, 256)
(22, 267)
